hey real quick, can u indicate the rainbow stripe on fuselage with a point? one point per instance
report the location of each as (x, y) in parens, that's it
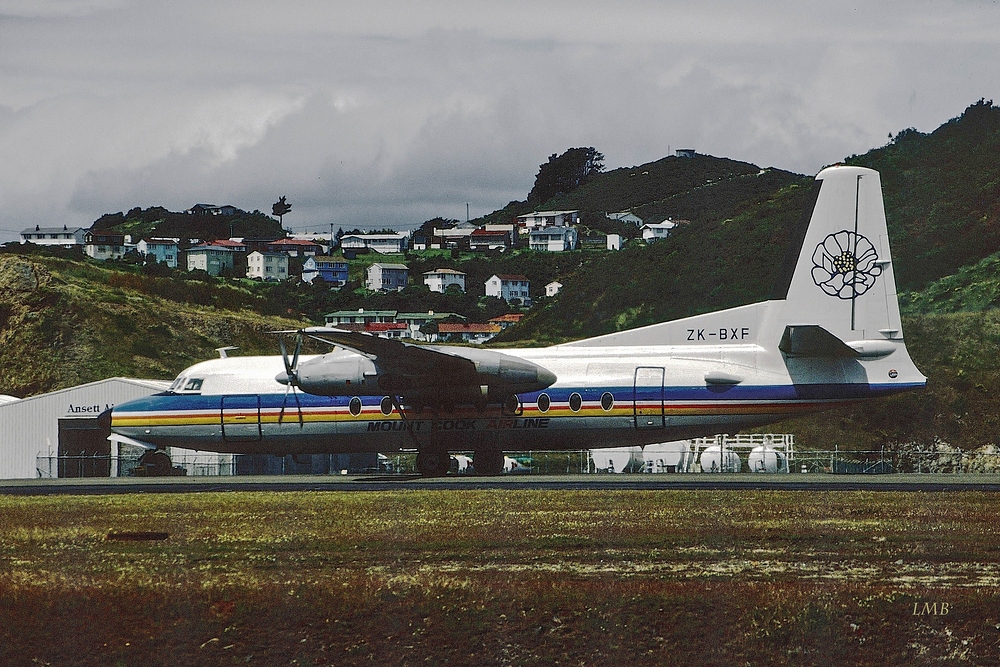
(275, 422)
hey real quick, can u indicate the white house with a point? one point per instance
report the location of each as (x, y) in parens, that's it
(553, 288)
(104, 245)
(627, 217)
(64, 236)
(162, 250)
(387, 277)
(380, 243)
(439, 280)
(614, 242)
(509, 287)
(553, 239)
(657, 230)
(541, 219)
(267, 266)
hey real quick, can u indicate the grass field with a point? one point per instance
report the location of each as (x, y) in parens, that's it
(501, 578)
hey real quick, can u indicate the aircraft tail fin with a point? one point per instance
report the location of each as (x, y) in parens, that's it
(842, 278)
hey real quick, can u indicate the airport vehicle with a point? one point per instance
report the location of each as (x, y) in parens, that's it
(829, 335)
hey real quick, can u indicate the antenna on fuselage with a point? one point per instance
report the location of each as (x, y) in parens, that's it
(224, 351)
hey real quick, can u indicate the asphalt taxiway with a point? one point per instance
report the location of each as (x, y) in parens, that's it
(663, 482)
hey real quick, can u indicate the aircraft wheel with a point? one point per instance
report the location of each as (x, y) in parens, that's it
(433, 463)
(156, 463)
(488, 461)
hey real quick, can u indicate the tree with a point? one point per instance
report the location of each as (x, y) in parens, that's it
(564, 173)
(280, 208)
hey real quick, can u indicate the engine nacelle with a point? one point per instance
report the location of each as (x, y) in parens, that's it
(339, 373)
(473, 375)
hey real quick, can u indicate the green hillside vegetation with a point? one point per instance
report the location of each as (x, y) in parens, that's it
(64, 323)
(158, 221)
(719, 262)
(942, 195)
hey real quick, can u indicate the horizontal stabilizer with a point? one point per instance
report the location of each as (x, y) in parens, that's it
(811, 340)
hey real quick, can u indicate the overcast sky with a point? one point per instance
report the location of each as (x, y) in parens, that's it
(388, 113)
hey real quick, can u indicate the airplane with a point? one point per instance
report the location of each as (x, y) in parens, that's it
(829, 335)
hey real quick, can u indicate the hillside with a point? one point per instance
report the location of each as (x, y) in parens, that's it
(942, 195)
(64, 323)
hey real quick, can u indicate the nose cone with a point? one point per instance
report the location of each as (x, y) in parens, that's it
(104, 421)
(546, 378)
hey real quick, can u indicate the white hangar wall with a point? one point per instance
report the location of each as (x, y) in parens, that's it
(29, 428)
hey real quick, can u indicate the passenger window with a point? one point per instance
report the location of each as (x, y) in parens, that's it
(575, 402)
(543, 402)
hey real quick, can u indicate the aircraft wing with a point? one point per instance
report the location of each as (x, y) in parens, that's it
(396, 354)
(418, 370)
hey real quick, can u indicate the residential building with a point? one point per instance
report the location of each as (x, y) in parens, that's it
(63, 236)
(439, 280)
(541, 219)
(553, 239)
(104, 245)
(159, 250)
(380, 243)
(657, 230)
(332, 270)
(360, 316)
(507, 319)
(212, 209)
(416, 321)
(453, 237)
(387, 277)
(236, 245)
(467, 332)
(211, 258)
(509, 287)
(553, 288)
(492, 239)
(627, 217)
(685, 152)
(267, 266)
(292, 247)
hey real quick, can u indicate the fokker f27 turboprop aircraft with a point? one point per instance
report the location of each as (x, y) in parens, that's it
(829, 335)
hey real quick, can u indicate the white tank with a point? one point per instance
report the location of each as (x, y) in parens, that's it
(666, 456)
(712, 460)
(765, 459)
(617, 459)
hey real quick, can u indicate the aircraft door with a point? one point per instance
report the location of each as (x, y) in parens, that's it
(241, 418)
(647, 397)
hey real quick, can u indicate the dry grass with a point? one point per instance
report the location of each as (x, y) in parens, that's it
(500, 577)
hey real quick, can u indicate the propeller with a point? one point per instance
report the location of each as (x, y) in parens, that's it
(291, 378)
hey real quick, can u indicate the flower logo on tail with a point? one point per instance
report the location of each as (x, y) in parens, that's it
(844, 265)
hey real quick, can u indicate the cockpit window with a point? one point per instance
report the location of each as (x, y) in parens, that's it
(194, 384)
(177, 384)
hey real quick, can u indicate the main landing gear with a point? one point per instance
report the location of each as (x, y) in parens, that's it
(156, 463)
(433, 462)
(488, 461)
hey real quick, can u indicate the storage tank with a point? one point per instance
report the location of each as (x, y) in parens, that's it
(616, 459)
(667, 456)
(766, 459)
(712, 460)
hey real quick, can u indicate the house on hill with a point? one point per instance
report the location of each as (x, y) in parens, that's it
(267, 266)
(210, 258)
(332, 270)
(61, 236)
(509, 287)
(380, 243)
(659, 230)
(104, 245)
(467, 332)
(387, 277)
(541, 219)
(439, 280)
(159, 250)
(553, 239)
